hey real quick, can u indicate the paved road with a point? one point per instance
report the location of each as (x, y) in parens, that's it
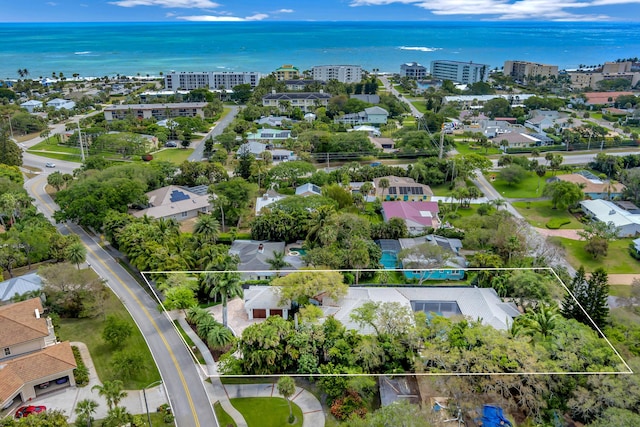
(387, 84)
(198, 152)
(187, 395)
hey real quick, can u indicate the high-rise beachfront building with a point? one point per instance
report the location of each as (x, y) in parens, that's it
(459, 72)
(189, 80)
(341, 73)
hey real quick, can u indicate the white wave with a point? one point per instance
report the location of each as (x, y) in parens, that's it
(420, 48)
(86, 52)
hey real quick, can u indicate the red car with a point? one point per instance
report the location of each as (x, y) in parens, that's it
(25, 411)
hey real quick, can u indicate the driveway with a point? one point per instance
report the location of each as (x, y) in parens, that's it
(67, 399)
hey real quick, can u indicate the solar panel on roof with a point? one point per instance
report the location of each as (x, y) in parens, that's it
(177, 196)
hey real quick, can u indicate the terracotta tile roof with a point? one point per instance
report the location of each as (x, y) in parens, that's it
(18, 322)
(55, 359)
(603, 97)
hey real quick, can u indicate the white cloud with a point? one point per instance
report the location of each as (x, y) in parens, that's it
(185, 4)
(552, 10)
(284, 11)
(218, 18)
(50, 3)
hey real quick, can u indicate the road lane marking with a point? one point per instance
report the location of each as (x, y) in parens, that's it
(145, 311)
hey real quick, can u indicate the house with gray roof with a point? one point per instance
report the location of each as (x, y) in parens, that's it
(175, 202)
(257, 148)
(254, 256)
(31, 105)
(308, 189)
(273, 121)
(19, 286)
(261, 302)
(482, 304)
(516, 140)
(372, 115)
(627, 223)
(60, 103)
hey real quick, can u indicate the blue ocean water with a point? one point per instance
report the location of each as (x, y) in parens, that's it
(99, 49)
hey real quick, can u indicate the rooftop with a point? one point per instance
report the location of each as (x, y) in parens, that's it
(18, 322)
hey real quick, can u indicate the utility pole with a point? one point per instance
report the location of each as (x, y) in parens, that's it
(441, 153)
(80, 140)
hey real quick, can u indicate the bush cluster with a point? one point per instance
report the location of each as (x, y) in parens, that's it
(81, 373)
(555, 223)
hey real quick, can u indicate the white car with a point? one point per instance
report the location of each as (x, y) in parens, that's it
(50, 165)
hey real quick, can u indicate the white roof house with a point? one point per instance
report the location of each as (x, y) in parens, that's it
(473, 303)
(603, 210)
(60, 103)
(267, 199)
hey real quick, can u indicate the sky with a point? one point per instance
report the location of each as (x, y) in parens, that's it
(319, 10)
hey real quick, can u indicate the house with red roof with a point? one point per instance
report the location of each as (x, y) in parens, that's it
(418, 216)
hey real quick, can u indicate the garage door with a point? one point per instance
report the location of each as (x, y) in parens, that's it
(276, 312)
(259, 313)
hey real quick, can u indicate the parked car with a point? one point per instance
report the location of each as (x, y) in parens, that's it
(171, 144)
(25, 411)
(62, 380)
(50, 165)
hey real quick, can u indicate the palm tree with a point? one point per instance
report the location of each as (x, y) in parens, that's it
(206, 324)
(195, 314)
(541, 321)
(85, 409)
(219, 337)
(277, 261)
(112, 392)
(228, 285)
(76, 253)
(384, 184)
(117, 417)
(287, 387)
(207, 228)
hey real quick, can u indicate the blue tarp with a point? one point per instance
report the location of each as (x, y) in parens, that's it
(492, 416)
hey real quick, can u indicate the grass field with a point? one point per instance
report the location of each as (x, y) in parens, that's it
(526, 189)
(174, 155)
(539, 213)
(89, 331)
(617, 261)
(224, 419)
(267, 411)
(470, 148)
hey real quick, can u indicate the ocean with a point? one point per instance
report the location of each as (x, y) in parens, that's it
(107, 49)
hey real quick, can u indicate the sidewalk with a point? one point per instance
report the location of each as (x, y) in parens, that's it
(218, 392)
(67, 399)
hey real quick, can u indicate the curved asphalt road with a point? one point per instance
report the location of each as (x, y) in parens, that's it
(189, 400)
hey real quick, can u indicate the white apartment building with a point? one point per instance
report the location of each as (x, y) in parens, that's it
(189, 80)
(341, 73)
(157, 111)
(459, 72)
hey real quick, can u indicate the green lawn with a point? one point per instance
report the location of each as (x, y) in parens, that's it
(420, 105)
(173, 155)
(89, 331)
(471, 148)
(224, 419)
(267, 411)
(617, 261)
(539, 213)
(526, 189)
(441, 190)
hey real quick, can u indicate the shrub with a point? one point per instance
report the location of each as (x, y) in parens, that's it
(555, 223)
(344, 407)
(633, 251)
(81, 373)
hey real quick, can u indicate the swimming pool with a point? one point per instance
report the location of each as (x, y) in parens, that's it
(389, 260)
(297, 252)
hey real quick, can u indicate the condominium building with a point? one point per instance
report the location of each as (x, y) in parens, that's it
(413, 70)
(522, 70)
(287, 72)
(459, 72)
(157, 111)
(306, 101)
(341, 73)
(189, 80)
